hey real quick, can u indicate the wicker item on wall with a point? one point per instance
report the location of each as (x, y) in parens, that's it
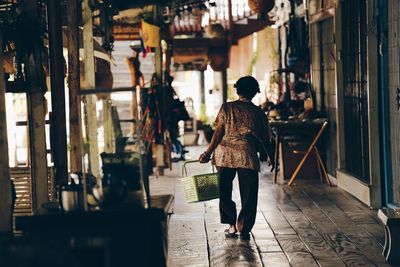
(218, 58)
(261, 7)
(214, 30)
(103, 77)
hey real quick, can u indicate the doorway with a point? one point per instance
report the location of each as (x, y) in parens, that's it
(355, 88)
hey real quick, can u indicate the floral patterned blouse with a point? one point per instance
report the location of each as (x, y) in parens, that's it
(245, 126)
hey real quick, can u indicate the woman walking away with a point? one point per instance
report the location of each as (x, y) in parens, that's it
(242, 129)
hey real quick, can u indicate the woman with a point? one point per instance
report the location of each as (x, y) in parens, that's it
(242, 129)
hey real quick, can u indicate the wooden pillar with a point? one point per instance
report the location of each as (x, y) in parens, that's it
(159, 74)
(224, 86)
(203, 114)
(137, 80)
(75, 130)
(105, 25)
(107, 124)
(168, 56)
(58, 118)
(36, 115)
(5, 182)
(91, 118)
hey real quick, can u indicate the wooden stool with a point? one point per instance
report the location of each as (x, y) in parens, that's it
(310, 149)
(391, 222)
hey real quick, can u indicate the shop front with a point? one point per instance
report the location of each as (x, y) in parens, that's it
(344, 74)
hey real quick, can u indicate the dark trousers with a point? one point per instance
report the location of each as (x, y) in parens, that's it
(248, 186)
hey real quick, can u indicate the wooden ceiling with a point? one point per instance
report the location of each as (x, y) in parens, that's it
(127, 4)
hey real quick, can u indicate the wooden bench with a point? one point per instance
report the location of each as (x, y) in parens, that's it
(391, 222)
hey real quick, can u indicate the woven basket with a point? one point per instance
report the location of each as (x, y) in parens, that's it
(200, 187)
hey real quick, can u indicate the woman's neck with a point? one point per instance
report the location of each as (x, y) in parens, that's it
(242, 98)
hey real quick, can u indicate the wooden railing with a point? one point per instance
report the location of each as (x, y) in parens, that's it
(22, 179)
(225, 12)
(228, 12)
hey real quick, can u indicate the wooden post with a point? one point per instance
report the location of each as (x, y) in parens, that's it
(36, 116)
(230, 17)
(75, 130)
(107, 124)
(58, 119)
(91, 134)
(5, 182)
(224, 86)
(159, 74)
(136, 80)
(106, 104)
(203, 114)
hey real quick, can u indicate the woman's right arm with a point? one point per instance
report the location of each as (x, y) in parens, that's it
(217, 136)
(216, 139)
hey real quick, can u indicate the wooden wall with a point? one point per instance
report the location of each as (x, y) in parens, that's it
(394, 85)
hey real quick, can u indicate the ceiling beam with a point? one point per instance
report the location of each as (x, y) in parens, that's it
(125, 4)
(200, 42)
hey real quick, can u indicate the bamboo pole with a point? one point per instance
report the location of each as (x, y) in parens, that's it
(75, 126)
(5, 182)
(91, 118)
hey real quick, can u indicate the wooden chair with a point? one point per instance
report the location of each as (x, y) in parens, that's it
(312, 149)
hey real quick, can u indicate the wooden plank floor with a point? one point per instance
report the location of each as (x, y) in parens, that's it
(305, 225)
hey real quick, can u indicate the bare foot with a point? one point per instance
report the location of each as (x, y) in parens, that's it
(232, 229)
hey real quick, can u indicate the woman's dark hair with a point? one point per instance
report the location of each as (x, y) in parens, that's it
(247, 86)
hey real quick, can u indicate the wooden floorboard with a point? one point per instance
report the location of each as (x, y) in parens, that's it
(276, 259)
(187, 239)
(228, 251)
(308, 224)
(306, 231)
(335, 235)
(349, 224)
(361, 222)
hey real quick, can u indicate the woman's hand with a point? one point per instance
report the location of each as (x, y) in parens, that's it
(205, 157)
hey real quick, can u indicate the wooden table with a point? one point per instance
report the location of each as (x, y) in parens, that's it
(106, 238)
(307, 133)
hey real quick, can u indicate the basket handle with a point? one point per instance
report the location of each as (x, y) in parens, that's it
(184, 171)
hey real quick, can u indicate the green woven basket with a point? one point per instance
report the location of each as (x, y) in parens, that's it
(200, 187)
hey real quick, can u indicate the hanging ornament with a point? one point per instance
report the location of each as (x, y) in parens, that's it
(262, 7)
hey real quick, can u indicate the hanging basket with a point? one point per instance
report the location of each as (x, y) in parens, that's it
(218, 58)
(214, 30)
(261, 6)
